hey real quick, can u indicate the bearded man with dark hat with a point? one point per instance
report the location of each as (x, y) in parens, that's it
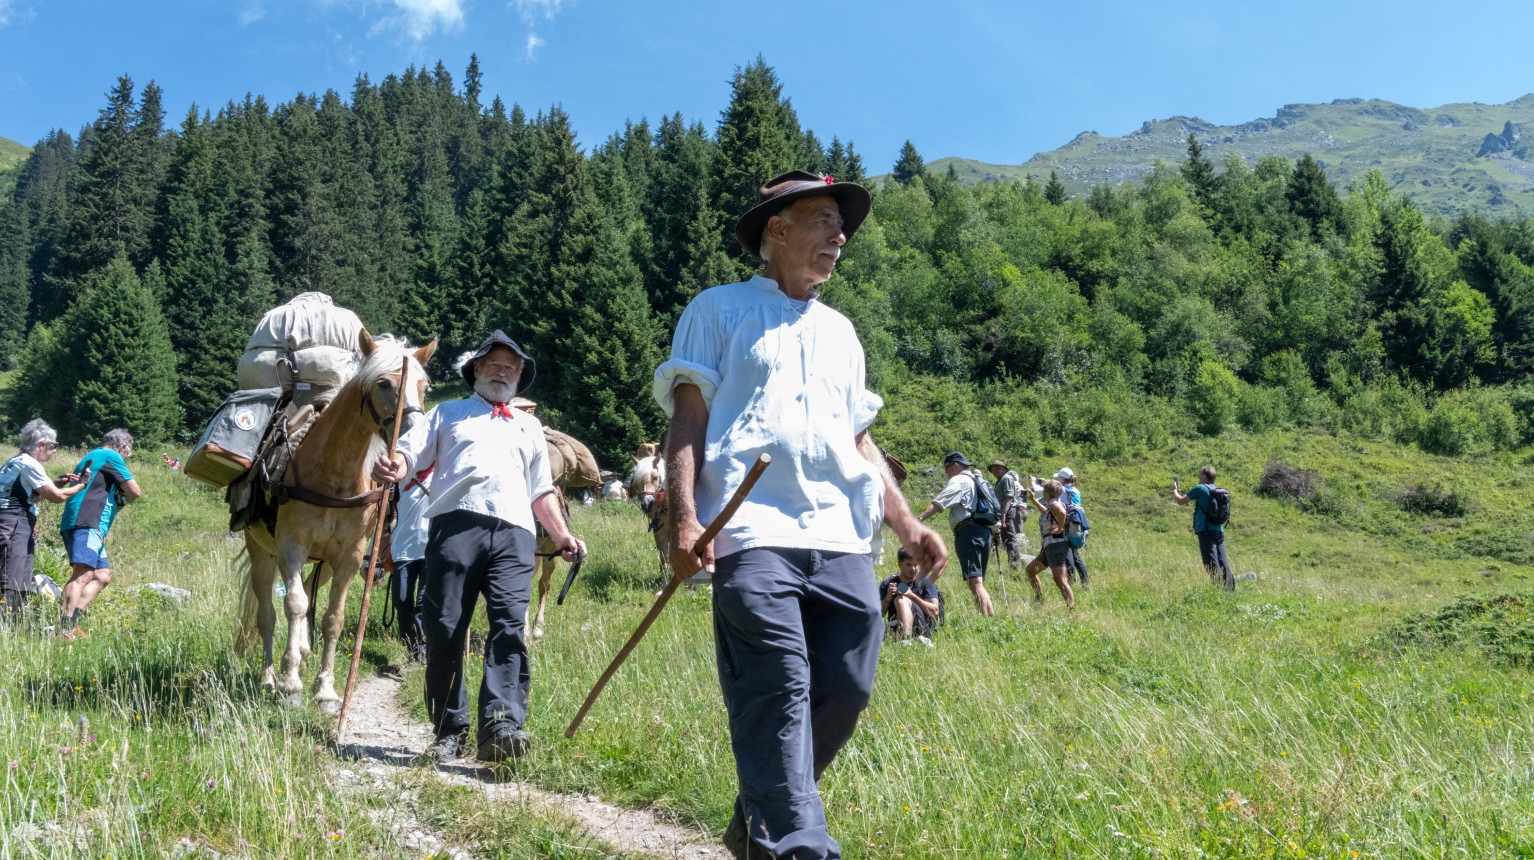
(490, 479)
(763, 367)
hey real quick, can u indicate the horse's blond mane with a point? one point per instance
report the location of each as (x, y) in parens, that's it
(387, 352)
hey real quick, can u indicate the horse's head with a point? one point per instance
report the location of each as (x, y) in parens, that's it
(383, 386)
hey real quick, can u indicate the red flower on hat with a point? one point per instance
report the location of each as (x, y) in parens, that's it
(830, 179)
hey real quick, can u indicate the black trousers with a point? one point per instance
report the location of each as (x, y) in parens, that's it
(408, 576)
(1211, 547)
(469, 555)
(17, 546)
(796, 636)
(1074, 564)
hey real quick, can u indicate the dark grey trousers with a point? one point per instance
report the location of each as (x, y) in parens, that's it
(468, 555)
(797, 637)
(1211, 547)
(1074, 564)
(405, 592)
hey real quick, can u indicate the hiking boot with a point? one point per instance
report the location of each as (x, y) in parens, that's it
(444, 749)
(504, 741)
(739, 844)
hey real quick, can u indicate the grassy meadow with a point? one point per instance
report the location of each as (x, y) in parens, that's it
(1367, 695)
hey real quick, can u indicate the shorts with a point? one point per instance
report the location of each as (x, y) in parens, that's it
(922, 624)
(88, 547)
(1057, 554)
(972, 545)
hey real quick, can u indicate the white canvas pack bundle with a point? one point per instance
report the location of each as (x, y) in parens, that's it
(306, 347)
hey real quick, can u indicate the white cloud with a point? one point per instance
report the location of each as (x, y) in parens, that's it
(421, 18)
(252, 13)
(533, 10)
(534, 42)
(10, 13)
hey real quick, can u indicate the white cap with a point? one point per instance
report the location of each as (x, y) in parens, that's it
(1065, 474)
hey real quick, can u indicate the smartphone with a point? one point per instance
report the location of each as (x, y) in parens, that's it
(1176, 483)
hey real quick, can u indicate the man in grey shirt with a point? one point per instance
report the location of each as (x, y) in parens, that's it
(972, 541)
(1009, 491)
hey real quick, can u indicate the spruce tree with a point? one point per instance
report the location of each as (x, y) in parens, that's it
(909, 167)
(1313, 198)
(112, 203)
(758, 138)
(707, 263)
(1198, 172)
(15, 293)
(1054, 190)
(112, 359)
(610, 353)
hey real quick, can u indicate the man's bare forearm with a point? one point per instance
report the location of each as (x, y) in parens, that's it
(684, 451)
(896, 512)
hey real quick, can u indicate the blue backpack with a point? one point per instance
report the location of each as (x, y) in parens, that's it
(1076, 527)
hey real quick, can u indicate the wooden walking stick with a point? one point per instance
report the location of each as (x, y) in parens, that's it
(762, 462)
(367, 588)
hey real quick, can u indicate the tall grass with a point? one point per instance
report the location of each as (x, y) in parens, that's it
(1162, 718)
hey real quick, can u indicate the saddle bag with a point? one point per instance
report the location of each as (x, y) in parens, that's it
(228, 446)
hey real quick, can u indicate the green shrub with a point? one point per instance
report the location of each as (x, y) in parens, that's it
(1214, 394)
(1501, 627)
(1259, 408)
(1432, 501)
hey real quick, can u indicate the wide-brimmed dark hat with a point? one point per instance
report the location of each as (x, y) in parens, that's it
(529, 367)
(782, 190)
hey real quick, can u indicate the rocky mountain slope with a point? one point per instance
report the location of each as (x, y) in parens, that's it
(1449, 158)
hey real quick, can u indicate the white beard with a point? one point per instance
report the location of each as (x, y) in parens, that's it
(494, 390)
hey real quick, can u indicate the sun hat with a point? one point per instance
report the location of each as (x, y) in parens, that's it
(995, 463)
(529, 367)
(782, 190)
(1065, 474)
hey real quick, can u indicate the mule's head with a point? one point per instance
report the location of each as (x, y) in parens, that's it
(384, 385)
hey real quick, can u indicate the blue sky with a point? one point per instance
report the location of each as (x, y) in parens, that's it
(996, 81)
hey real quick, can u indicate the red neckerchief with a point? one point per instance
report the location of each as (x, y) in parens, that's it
(501, 410)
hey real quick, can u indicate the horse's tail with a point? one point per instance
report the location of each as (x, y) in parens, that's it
(250, 632)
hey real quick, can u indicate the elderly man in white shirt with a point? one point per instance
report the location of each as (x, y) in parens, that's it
(763, 367)
(490, 479)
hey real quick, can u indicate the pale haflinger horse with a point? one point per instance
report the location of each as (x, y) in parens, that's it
(332, 464)
(647, 486)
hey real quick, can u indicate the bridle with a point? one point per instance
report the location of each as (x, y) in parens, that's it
(382, 422)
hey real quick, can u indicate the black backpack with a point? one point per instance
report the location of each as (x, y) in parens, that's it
(987, 510)
(1217, 513)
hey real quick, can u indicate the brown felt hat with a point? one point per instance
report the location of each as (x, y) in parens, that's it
(782, 190)
(995, 463)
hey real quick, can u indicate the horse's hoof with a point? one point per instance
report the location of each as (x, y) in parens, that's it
(330, 708)
(537, 634)
(293, 700)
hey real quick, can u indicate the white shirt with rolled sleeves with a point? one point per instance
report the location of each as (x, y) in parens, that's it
(786, 378)
(484, 463)
(408, 542)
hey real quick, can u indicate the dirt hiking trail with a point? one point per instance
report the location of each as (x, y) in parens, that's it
(382, 741)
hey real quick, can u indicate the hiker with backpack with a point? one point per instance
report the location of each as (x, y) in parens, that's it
(1054, 520)
(1009, 491)
(972, 510)
(1211, 511)
(1072, 499)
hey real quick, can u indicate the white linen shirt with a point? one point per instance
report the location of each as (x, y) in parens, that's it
(786, 378)
(485, 464)
(408, 542)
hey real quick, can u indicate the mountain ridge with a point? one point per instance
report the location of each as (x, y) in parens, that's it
(1450, 158)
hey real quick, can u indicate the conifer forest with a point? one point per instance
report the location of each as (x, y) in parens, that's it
(137, 254)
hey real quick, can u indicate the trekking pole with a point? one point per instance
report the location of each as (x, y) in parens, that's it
(762, 462)
(367, 588)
